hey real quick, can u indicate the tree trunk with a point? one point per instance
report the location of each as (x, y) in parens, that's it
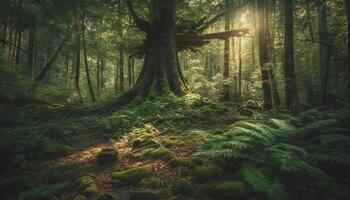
(31, 45)
(67, 67)
(129, 71)
(121, 70)
(18, 48)
(323, 42)
(98, 76)
(347, 5)
(161, 73)
(77, 70)
(263, 54)
(103, 64)
(225, 85)
(239, 68)
(291, 92)
(91, 91)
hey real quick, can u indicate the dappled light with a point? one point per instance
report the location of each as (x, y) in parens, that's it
(174, 100)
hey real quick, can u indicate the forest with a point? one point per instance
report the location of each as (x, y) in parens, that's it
(174, 99)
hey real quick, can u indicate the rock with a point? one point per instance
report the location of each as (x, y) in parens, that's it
(205, 190)
(151, 183)
(85, 181)
(182, 186)
(91, 190)
(161, 153)
(205, 173)
(188, 162)
(131, 176)
(231, 190)
(107, 156)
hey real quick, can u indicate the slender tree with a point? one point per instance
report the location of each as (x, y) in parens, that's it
(323, 44)
(263, 54)
(91, 91)
(291, 92)
(226, 75)
(347, 5)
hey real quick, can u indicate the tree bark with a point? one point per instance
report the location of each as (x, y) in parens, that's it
(225, 84)
(18, 48)
(323, 42)
(77, 69)
(98, 76)
(161, 73)
(121, 69)
(347, 5)
(129, 71)
(291, 92)
(31, 45)
(91, 91)
(263, 54)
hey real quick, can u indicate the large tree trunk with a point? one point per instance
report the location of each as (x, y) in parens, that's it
(323, 43)
(161, 73)
(263, 54)
(347, 5)
(225, 85)
(291, 92)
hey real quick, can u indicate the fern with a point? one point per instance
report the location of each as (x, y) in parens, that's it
(292, 146)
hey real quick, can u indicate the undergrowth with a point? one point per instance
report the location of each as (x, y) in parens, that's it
(288, 157)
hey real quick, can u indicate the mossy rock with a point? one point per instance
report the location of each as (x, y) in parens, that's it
(205, 190)
(80, 197)
(85, 182)
(131, 176)
(188, 162)
(107, 156)
(206, 173)
(171, 142)
(182, 186)
(145, 142)
(91, 190)
(231, 190)
(14, 184)
(161, 153)
(151, 183)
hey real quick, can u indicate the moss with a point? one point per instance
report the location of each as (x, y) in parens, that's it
(85, 182)
(152, 183)
(161, 153)
(105, 197)
(147, 139)
(14, 184)
(80, 197)
(91, 190)
(231, 189)
(205, 190)
(58, 149)
(171, 142)
(107, 156)
(175, 162)
(206, 173)
(182, 186)
(131, 176)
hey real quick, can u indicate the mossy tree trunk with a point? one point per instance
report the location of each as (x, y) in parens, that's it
(161, 73)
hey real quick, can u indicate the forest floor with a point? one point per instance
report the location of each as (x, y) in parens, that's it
(172, 148)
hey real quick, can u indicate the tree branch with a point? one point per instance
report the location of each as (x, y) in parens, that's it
(143, 25)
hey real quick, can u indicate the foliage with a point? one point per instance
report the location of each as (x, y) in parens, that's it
(292, 147)
(44, 192)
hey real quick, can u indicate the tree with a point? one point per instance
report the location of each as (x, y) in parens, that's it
(291, 92)
(226, 75)
(347, 6)
(323, 45)
(263, 54)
